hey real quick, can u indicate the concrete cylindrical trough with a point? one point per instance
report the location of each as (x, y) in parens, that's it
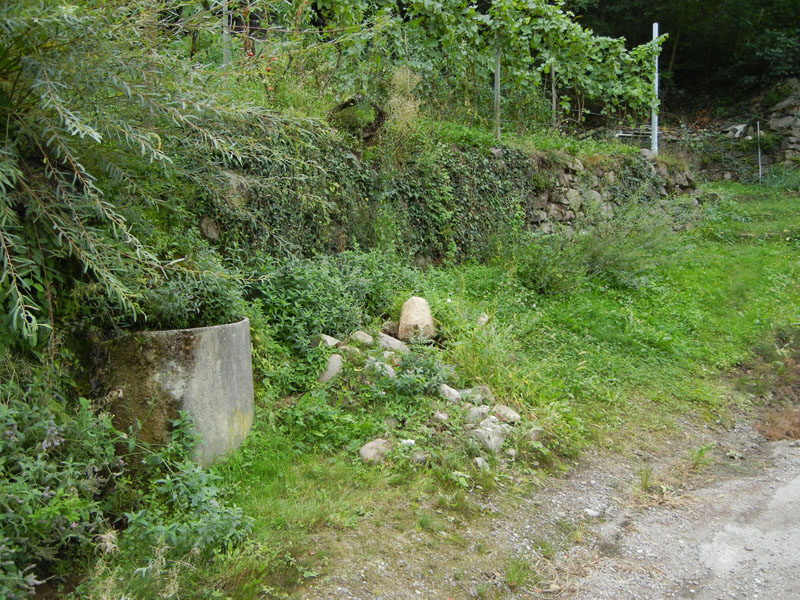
(206, 371)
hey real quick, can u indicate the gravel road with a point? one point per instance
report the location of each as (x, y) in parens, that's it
(738, 538)
(725, 530)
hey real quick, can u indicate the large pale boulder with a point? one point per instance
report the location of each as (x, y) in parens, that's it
(416, 319)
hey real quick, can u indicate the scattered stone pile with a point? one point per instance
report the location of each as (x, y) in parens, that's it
(485, 420)
(784, 118)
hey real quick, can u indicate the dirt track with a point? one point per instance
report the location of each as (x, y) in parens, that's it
(738, 538)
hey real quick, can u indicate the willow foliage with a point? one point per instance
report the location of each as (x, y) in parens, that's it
(86, 99)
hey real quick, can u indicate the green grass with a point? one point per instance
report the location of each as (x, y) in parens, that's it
(604, 365)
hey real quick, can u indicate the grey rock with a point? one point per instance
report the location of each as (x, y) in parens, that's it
(481, 464)
(382, 368)
(440, 416)
(350, 350)
(496, 152)
(482, 320)
(449, 393)
(511, 453)
(506, 414)
(491, 433)
(419, 457)
(209, 229)
(478, 395)
(737, 131)
(416, 319)
(332, 369)
(388, 342)
(661, 171)
(375, 451)
(362, 337)
(477, 414)
(537, 216)
(573, 199)
(389, 328)
(329, 341)
(591, 512)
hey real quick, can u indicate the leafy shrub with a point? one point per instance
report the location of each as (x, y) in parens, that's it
(546, 263)
(313, 423)
(618, 251)
(784, 178)
(54, 466)
(305, 297)
(182, 504)
(420, 372)
(332, 295)
(201, 293)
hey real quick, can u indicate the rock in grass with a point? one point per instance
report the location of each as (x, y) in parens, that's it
(481, 463)
(416, 319)
(382, 368)
(440, 416)
(506, 414)
(478, 395)
(333, 368)
(326, 340)
(387, 342)
(476, 414)
(362, 337)
(491, 433)
(450, 394)
(375, 451)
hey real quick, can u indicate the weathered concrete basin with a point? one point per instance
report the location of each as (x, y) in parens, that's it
(206, 371)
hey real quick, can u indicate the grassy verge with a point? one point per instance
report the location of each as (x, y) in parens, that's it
(607, 364)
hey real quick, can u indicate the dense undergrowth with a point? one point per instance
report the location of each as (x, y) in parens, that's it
(152, 191)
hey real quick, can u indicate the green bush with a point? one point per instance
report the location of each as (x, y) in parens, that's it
(54, 467)
(332, 295)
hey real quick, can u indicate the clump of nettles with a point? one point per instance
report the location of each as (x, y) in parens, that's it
(65, 484)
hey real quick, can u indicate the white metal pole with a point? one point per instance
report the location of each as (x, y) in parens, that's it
(760, 170)
(654, 118)
(497, 87)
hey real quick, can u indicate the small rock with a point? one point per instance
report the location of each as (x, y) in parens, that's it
(491, 433)
(420, 457)
(441, 416)
(647, 154)
(332, 369)
(363, 338)
(391, 422)
(481, 464)
(389, 328)
(506, 414)
(383, 368)
(375, 451)
(477, 414)
(482, 320)
(387, 342)
(450, 394)
(327, 340)
(496, 152)
(478, 395)
(511, 453)
(416, 319)
(350, 350)
(209, 229)
(408, 442)
(593, 513)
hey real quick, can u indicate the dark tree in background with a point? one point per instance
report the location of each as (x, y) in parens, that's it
(732, 47)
